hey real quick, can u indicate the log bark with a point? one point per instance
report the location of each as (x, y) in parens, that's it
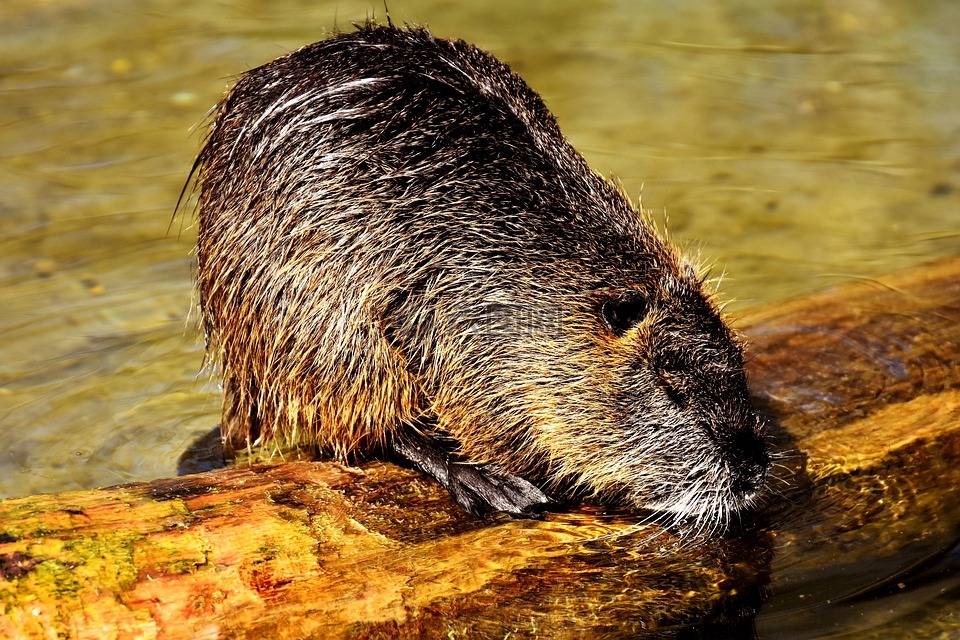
(861, 385)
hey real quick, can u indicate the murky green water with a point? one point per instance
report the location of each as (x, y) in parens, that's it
(794, 146)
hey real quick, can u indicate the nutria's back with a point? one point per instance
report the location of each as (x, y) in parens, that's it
(397, 242)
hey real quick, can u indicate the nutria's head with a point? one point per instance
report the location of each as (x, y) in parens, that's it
(692, 442)
(610, 375)
(394, 235)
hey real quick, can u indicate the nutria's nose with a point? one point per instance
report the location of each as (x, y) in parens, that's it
(749, 481)
(750, 465)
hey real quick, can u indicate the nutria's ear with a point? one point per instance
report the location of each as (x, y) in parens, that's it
(623, 311)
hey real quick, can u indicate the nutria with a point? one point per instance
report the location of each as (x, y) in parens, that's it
(400, 255)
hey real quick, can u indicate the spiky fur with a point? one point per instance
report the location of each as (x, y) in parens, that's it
(395, 235)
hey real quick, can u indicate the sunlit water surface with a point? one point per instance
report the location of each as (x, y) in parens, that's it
(792, 147)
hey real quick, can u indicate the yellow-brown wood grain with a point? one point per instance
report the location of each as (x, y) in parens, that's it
(861, 385)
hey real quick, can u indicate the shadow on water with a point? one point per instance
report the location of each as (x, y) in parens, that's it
(203, 454)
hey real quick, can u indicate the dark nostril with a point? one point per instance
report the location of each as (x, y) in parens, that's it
(676, 396)
(672, 384)
(748, 483)
(750, 462)
(750, 479)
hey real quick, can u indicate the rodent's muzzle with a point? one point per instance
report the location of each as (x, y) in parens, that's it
(749, 462)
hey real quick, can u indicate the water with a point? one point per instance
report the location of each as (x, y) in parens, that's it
(792, 147)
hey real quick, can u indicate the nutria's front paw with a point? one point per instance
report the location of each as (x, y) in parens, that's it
(482, 488)
(476, 488)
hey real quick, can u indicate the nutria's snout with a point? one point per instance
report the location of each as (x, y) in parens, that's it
(744, 447)
(379, 215)
(749, 464)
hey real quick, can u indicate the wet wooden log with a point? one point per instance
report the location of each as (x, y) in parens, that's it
(862, 388)
(864, 381)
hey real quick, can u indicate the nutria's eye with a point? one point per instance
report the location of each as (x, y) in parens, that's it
(623, 311)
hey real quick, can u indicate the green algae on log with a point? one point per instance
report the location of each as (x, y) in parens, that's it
(862, 380)
(321, 550)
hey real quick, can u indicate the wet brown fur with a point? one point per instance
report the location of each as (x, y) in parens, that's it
(395, 237)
